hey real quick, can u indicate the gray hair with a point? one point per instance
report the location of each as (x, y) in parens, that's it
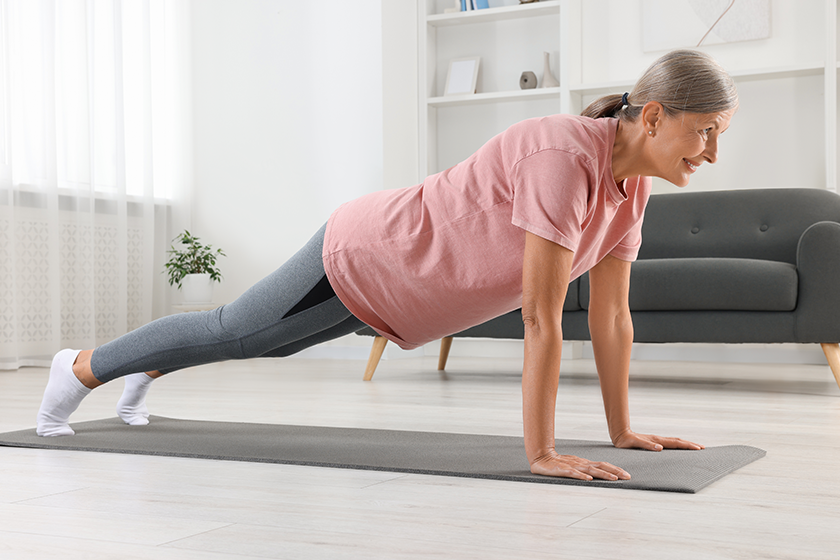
(682, 81)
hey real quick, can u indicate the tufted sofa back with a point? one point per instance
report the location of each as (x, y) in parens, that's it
(752, 223)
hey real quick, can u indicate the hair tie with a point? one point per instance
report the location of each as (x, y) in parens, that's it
(624, 99)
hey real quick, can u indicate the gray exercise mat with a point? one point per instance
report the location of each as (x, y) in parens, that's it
(474, 456)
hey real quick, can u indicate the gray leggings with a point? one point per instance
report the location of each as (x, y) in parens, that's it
(291, 309)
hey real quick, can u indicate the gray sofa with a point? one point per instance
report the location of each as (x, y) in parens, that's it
(743, 266)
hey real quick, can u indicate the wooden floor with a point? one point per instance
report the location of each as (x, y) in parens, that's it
(86, 505)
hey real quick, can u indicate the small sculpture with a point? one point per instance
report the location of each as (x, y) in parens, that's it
(528, 80)
(548, 80)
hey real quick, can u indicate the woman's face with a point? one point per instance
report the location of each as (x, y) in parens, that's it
(682, 143)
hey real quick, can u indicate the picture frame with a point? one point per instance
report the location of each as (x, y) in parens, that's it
(670, 24)
(462, 76)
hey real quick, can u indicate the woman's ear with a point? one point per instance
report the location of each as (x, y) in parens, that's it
(652, 113)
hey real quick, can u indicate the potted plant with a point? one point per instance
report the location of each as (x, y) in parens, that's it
(193, 268)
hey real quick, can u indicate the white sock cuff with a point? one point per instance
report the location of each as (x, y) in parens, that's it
(75, 382)
(144, 379)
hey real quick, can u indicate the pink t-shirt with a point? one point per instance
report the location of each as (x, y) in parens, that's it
(431, 260)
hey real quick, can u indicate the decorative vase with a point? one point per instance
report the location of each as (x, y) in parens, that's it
(528, 80)
(548, 80)
(197, 288)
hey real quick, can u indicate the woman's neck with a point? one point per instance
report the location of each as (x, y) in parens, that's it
(628, 155)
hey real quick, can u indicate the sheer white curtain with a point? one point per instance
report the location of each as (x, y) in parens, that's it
(93, 160)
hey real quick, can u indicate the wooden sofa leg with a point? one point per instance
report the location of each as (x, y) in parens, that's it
(832, 354)
(376, 350)
(445, 345)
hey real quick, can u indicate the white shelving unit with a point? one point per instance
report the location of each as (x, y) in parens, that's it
(551, 7)
(494, 97)
(446, 36)
(797, 71)
(598, 55)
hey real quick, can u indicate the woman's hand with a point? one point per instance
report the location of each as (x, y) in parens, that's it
(569, 466)
(631, 440)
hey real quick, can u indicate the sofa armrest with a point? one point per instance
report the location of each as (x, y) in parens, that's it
(818, 265)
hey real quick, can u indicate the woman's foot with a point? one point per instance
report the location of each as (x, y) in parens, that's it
(62, 396)
(132, 404)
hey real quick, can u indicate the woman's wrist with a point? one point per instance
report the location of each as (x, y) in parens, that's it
(542, 456)
(617, 434)
(538, 446)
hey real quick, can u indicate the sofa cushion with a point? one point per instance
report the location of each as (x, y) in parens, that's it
(761, 224)
(711, 284)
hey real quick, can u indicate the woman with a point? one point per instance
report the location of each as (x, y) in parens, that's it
(511, 226)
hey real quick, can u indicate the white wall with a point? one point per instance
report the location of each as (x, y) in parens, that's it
(287, 124)
(400, 94)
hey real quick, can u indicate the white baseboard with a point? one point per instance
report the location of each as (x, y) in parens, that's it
(810, 354)
(354, 347)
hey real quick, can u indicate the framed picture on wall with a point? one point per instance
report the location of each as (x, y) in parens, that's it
(675, 24)
(462, 76)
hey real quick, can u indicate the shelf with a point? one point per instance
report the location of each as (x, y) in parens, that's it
(495, 97)
(795, 71)
(495, 14)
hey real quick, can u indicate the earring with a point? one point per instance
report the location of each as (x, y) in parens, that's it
(650, 132)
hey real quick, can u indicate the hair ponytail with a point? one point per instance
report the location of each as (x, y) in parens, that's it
(683, 81)
(606, 106)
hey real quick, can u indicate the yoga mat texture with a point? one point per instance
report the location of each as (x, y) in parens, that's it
(464, 455)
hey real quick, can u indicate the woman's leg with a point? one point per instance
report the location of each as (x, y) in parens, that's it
(348, 326)
(132, 404)
(259, 320)
(289, 306)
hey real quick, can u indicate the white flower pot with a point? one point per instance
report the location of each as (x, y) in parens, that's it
(197, 288)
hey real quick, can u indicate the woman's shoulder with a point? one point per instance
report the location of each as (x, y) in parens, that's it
(573, 134)
(570, 124)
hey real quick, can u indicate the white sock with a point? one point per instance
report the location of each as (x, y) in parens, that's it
(132, 404)
(62, 396)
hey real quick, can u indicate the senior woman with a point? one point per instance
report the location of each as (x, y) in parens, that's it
(537, 206)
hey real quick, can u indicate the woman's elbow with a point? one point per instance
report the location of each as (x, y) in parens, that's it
(542, 325)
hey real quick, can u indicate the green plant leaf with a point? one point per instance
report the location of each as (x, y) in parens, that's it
(194, 258)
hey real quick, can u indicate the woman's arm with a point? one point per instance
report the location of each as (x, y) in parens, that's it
(611, 327)
(545, 279)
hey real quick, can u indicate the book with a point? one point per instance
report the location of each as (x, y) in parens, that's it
(481, 4)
